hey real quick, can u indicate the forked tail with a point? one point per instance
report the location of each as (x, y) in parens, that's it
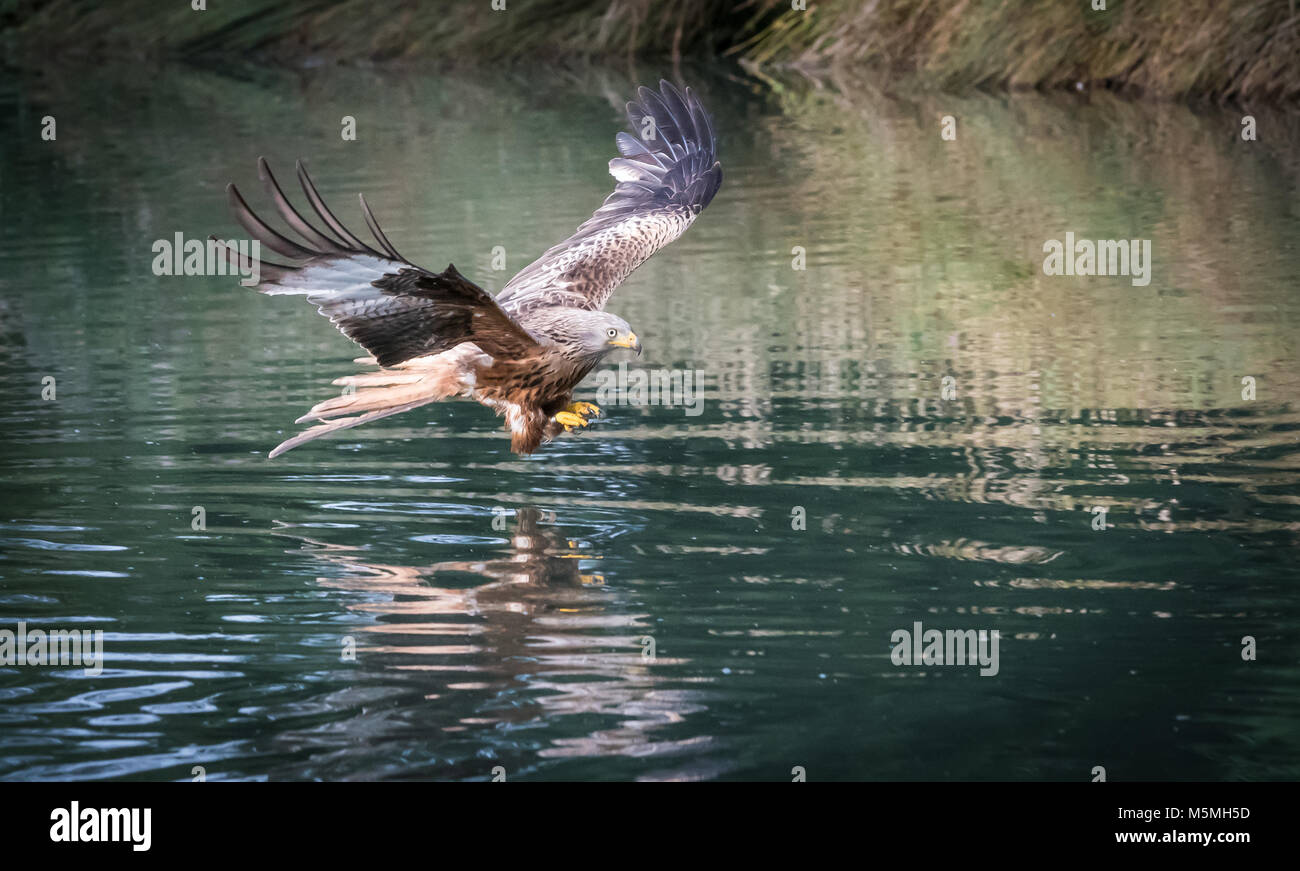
(384, 393)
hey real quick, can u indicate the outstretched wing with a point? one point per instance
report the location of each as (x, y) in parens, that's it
(667, 174)
(378, 299)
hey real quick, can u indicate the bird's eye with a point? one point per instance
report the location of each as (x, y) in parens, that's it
(612, 332)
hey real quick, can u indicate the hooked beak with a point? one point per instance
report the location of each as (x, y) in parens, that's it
(628, 341)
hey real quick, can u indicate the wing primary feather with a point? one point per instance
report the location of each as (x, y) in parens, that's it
(676, 107)
(327, 216)
(665, 127)
(631, 147)
(703, 121)
(291, 216)
(378, 233)
(263, 232)
(267, 270)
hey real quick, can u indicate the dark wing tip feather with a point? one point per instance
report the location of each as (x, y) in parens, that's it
(679, 163)
(393, 308)
(262, 231)
(291, 216)
(316, 244)
(266, 269)
(377, 232)
(324, 213)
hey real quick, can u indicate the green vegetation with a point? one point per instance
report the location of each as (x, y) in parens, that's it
(1242, 49)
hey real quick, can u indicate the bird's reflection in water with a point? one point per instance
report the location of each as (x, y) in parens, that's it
(529, 636)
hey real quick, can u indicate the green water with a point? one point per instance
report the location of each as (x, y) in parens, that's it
(503, 609)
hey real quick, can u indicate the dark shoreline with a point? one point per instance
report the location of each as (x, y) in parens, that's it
(1224, 52)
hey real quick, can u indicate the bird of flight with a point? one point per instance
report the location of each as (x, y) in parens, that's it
(437, 335)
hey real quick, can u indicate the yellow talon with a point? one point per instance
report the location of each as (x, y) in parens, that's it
(586, 409)
(570, 420)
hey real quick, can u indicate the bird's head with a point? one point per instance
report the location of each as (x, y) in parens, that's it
(598, 333)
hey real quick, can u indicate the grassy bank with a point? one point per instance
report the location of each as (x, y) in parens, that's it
(1224, 49)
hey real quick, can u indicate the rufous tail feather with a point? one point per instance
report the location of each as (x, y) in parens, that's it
(387, 392)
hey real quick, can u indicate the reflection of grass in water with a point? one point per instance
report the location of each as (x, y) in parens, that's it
(1232, 49)
(947, 262)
